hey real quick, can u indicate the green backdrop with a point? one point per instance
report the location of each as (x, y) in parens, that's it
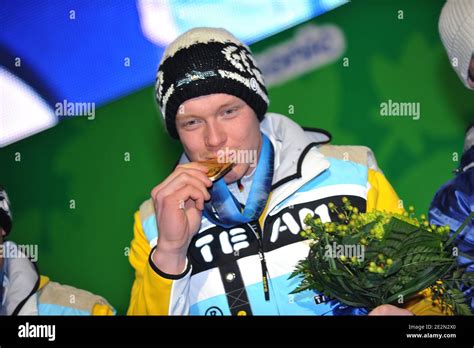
(83, 160)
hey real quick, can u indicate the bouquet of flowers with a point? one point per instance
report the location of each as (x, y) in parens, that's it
(369, 259)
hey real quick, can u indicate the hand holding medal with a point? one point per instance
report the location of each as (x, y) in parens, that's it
(179, 201)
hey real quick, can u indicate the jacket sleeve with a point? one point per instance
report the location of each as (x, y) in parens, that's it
(53, 298)
(451, 206)
(154, 292)
(382, 196)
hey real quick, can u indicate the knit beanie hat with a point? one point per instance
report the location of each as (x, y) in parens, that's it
(204, 61)
(5, 213)
(456, 27)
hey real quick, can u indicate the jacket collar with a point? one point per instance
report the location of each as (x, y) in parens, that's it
(297, 159)
(292, 145)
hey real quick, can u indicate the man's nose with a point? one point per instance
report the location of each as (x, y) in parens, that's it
(215, 135)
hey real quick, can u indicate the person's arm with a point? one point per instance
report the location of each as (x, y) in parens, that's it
(451, 206)
(162, 274)
(153, 291)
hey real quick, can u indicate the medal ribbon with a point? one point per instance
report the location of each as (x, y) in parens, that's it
(225, 210)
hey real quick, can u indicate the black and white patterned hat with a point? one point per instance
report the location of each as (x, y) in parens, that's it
(204, 61)
(5, 213)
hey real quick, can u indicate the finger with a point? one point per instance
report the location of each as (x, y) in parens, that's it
(181, 181)
(201, 175)
(194, 165)
(387, 309)
(191, 171)
(184, 195)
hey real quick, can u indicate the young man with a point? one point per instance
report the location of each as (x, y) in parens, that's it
(194, 250)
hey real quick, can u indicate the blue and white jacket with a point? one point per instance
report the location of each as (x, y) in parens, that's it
(224, 274)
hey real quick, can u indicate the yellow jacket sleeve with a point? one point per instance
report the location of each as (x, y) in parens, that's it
(150, 292)
(382, 196)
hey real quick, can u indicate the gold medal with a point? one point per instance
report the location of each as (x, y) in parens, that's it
(217, 170)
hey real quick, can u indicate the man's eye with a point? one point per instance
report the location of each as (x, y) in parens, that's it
(190, 123)
(230, 112)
